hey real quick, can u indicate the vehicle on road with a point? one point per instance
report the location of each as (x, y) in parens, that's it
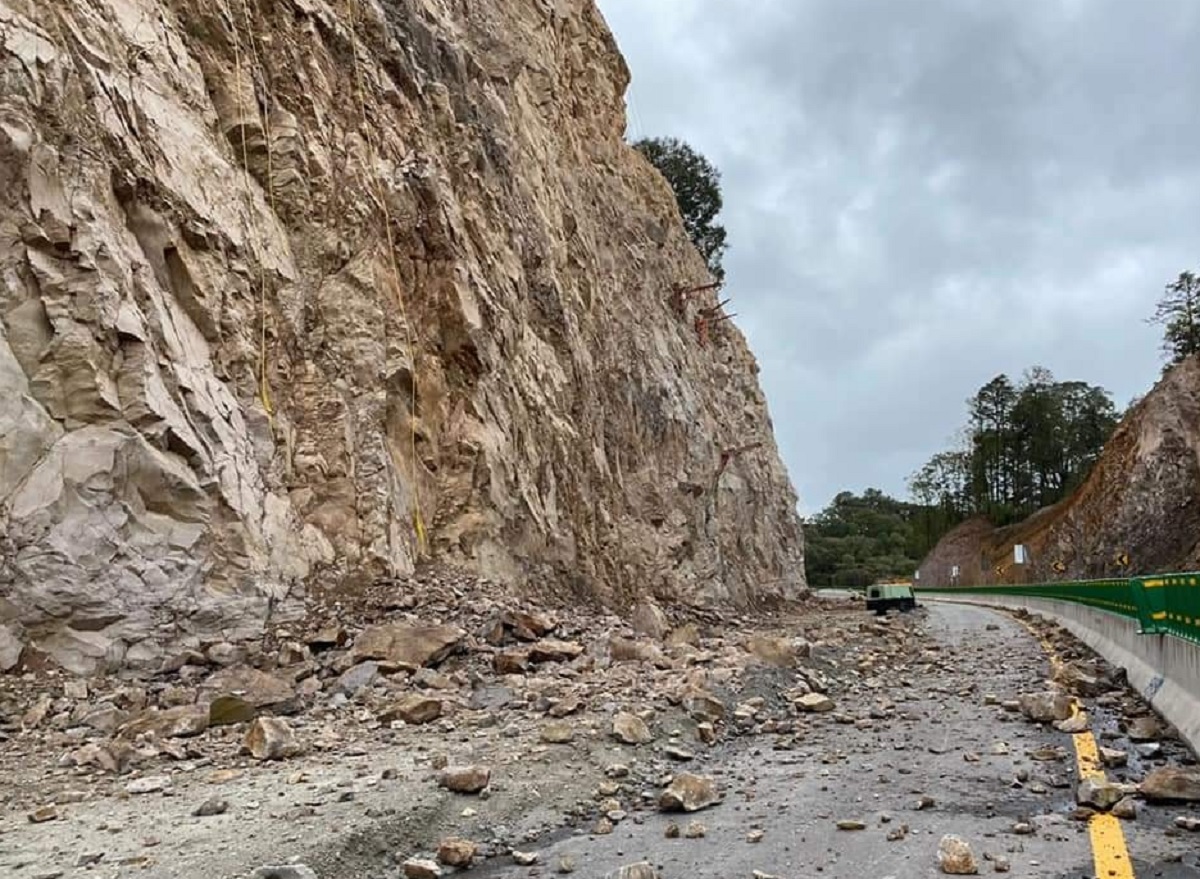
(882, 597)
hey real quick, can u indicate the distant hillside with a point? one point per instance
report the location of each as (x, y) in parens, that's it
(1141, 503)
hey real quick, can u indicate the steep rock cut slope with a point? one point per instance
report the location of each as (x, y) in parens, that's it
(308, 292)
(1137, 512)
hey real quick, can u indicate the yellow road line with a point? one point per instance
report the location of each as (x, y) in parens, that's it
(1110, 856)
(1109, 853)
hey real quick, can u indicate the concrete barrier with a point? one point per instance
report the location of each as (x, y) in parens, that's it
(1165, 669)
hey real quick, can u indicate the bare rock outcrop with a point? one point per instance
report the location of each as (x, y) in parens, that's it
(1136, 511)
(307, 293)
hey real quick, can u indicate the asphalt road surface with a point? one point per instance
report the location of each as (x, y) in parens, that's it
(939, 757)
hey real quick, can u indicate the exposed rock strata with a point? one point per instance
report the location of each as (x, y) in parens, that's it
(1138, 511)
(309, 291)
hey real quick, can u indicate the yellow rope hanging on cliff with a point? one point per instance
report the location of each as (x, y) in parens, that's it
(264, 382)
(263, 387)
(381, 197)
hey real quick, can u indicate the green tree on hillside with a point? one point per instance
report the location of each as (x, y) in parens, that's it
(1178, 311)
(697, 187)
(991, 412)
(1027, 446)
(941, 489)
(858, 540)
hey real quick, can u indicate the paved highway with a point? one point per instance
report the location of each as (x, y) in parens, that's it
(931, 754)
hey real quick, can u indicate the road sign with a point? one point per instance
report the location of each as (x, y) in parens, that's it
(1060, 567)
(1020, 556)
(1123, 560)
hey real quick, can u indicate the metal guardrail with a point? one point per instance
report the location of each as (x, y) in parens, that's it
(1164, 604)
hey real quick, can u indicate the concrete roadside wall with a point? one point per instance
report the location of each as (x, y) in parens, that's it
(1165, 669)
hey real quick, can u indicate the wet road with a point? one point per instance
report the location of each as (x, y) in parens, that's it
(916, 753)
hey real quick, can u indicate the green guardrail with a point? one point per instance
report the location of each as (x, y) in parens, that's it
(1164, 604)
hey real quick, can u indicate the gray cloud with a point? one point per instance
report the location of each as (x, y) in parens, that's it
(920, 195)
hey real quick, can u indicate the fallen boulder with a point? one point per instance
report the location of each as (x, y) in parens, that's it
(642, 870)
(1084, 680)
(1046, 707)
(549, 650)
(814, 702)
(270, 738)
(421, 868)
(413, 709)
(689, 793)
(779, 652)
(465, 779)
(703, 705)
(228, 710)
(955, 857)
(631, 729)
(1144, 729)
(180, 722)
(1172, 784)
(258, 688)
(527, 625)
(627, 650)
(406, 645)
(511, 662)
(1100, 794)
(456, 852)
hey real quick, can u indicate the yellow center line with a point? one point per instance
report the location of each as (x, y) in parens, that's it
(1109, 852)
(1110, 856)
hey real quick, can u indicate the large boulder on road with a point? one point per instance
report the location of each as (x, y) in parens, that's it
(1046, 707)
(689, 793)
(1172, 783)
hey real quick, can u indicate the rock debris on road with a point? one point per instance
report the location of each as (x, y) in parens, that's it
(466, 731)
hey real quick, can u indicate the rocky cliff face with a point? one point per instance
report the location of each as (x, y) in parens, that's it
(1137, 512)
(313, 291)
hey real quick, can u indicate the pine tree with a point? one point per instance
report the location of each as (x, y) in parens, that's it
(1178, 311)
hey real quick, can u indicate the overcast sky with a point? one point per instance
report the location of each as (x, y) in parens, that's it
(920, 195)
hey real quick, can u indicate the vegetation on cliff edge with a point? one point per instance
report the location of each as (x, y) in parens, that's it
(697, 186)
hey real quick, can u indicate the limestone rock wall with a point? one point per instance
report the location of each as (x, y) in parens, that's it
(304, 291)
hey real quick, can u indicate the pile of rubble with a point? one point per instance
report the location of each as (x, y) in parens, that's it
(454, 652)
(421, 664)
(485, 698)
(1153, 767)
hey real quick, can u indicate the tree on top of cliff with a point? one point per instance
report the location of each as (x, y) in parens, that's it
(1179, 313)
(697, 186)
